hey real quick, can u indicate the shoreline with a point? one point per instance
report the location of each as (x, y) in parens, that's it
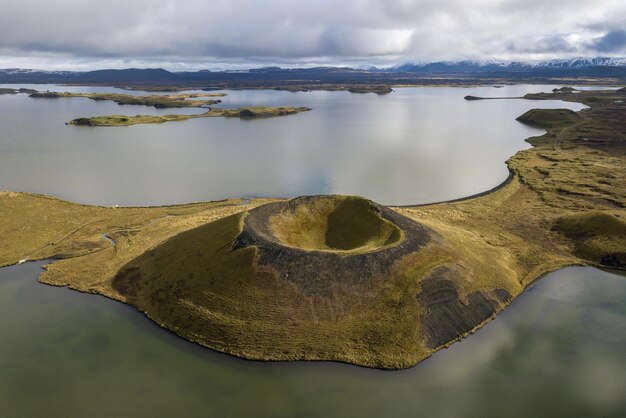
(584, 82)
(527, 281)
(153, 323)
(497, 187)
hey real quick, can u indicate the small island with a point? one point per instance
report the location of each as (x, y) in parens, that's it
(254, 112)
(565, 89)
(16, 91)
(368, 88)
(380, 89)
(293, 87)
(158, 101)
(470, 98)
(193, 100)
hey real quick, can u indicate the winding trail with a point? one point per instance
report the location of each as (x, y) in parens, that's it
(559, 137)
(107, 237)
(113, 243)
(63, 238)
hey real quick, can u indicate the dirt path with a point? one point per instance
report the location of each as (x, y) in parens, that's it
(111, 241)
(559, 136)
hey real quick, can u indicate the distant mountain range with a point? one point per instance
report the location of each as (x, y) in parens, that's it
(494, 66)
(273, 76)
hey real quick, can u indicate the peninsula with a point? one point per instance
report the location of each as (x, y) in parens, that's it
(253, 112)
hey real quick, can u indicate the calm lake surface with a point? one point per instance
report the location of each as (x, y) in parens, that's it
(415, 145)
(558, 350)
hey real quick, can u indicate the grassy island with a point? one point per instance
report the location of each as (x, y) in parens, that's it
(242, 113)
(158, 101)
(195, 100)
(376, 88)
(291, 86)
(16, 91)
(340, 277)
(352, 88)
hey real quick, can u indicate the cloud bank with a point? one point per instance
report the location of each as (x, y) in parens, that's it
(78, 34)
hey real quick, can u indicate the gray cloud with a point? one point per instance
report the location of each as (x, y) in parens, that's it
(198, 33)
(552, 44)
(613, 41)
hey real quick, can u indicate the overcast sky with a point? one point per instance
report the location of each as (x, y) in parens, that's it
(217, 34)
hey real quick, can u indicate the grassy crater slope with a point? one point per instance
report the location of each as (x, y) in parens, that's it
(242, 113)
(332, 224)
(236, 286)
(283, 282)
(549, 118)
(597, 236)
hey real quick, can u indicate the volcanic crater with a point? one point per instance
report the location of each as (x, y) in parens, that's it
(312, 278)
(322, 242)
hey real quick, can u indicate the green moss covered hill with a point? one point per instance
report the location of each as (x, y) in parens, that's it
(340, 277)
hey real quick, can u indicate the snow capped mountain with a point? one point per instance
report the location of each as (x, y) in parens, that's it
(584, 63)
(474, 66)
(575, 67)
(461, 66)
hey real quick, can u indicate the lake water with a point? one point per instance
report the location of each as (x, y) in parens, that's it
(415, 145)
(558, 351)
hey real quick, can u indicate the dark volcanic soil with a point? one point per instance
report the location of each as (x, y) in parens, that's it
(449, 316)
(319, 272)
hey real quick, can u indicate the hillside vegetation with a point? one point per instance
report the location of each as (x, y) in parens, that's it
(549, 118)
(242, 113)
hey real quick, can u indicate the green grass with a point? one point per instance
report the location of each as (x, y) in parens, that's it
(354, 225)
(371, 88)
(243, 113)
(334, 223)
(565, 205)
(254, 112)
(123, 120)
(595, 235)
(198, 286)
(37, 227)
(549, 118)
(164, 101)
